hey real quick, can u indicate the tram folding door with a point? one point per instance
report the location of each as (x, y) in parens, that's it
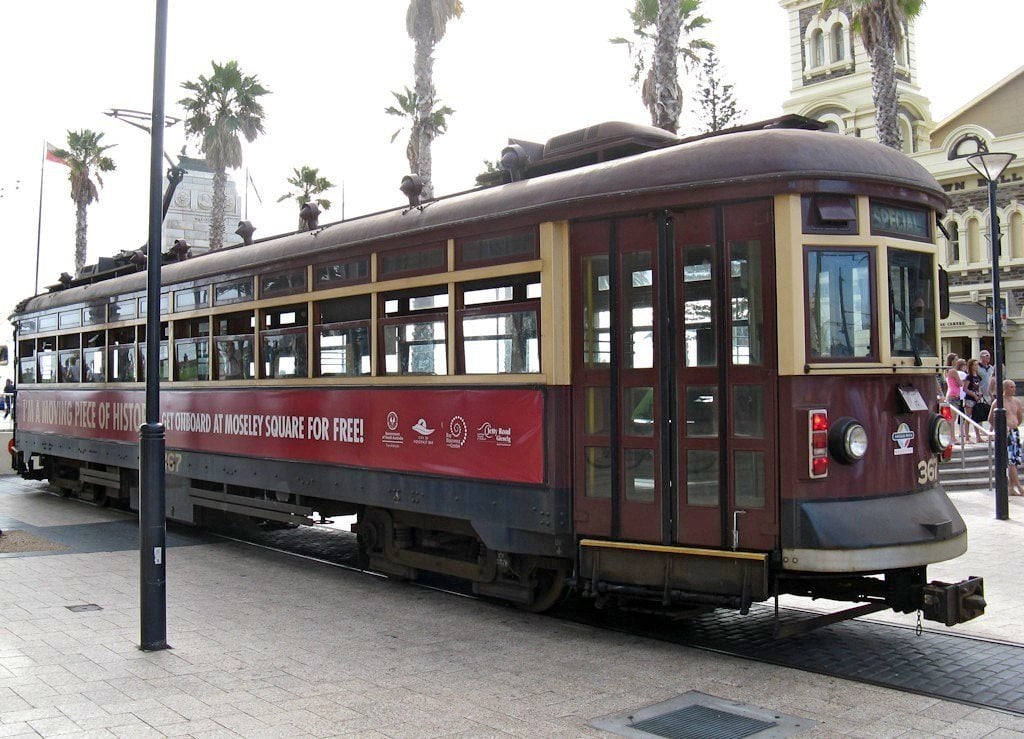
(674, 390)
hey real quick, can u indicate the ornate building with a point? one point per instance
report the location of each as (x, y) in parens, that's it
(831, 76)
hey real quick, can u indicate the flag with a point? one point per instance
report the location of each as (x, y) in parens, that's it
(51, 156)
(249, 179)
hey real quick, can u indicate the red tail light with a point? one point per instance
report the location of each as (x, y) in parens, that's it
(946, 412)
(817, 428)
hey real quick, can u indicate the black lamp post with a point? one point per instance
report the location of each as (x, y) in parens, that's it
(991, 165)
(152, 481)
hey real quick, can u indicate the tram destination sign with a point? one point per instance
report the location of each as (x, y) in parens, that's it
(892, 219)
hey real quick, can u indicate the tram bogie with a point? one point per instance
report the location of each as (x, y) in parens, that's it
(699, 375)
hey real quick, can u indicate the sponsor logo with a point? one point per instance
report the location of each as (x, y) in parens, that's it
(456, 434)
(494, 434)
(421, 428)
(903, 436)
(392, 438)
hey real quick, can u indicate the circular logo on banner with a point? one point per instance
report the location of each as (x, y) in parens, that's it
(392, 420)
(456, 435)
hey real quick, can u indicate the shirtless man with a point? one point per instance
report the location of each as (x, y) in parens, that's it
(1014, 453)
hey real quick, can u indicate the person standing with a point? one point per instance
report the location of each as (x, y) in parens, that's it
(987, 373)
(973, 401)
(8, 397)
(955, 391)
(1014, 453)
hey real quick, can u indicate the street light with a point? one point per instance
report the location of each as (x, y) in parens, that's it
(991, 165)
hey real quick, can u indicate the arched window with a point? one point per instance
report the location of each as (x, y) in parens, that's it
(818, 48)
(906, 135)
(901, 50)
(974, 241)
(953, 246)
(1015, 233)
(838, 44)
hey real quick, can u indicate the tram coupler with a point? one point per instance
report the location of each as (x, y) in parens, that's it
(953, 603)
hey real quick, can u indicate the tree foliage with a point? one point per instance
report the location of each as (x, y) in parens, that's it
(86, 157)
(716, 105)
(222, 108)
(306, 183)
(663, 32)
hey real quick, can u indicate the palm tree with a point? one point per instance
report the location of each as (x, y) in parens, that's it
(406, 109)
(307, 183)
(659, 26)
(86, 157)
(880, 24)
(426, 22)
(222, 106)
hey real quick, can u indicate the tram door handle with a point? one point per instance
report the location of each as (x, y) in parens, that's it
(736, 529)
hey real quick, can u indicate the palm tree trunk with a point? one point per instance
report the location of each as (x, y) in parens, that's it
(883, 88)
(81, 224)
(664, 102)
(220, 181)
(423, 74)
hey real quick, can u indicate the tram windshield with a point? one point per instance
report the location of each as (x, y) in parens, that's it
(911, 303)
(840, 307)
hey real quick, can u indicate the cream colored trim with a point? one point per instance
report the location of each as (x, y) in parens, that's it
(875, 559)
(662, 549)
(555, 303)
(450, 331)
(789, 283)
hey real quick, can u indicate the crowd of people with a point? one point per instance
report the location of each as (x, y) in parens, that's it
(970, 387)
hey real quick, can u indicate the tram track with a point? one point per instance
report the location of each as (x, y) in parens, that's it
(967, 669)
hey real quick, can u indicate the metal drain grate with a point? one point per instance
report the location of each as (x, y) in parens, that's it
(701, 722)
(84, 607)
(696, 715)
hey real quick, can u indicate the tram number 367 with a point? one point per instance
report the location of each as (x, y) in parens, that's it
(927, 470)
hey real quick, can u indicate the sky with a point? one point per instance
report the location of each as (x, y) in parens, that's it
(528, 69)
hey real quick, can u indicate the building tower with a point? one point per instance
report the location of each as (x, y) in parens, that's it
(831, 76)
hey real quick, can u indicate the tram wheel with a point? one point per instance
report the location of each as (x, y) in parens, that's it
(548, 578)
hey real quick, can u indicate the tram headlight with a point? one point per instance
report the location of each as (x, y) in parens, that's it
(848, 440)
(940, 433)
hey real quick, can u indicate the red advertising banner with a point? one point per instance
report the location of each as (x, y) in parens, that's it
(487, 434)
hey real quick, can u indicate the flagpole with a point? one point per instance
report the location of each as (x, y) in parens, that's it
(246, 207)
(39, 223)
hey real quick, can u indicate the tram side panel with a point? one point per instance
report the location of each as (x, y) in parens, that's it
(474, 454)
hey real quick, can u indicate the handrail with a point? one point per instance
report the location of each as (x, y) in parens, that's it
(989, 436)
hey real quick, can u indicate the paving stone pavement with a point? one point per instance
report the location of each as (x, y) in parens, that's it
(265, 645)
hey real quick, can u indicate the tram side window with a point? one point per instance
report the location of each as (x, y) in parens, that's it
(413, 331)
(164, 355)
(233, 346)
(192, 349)
(27, 361)
(840, 304)
(912, 303)
(121, 354)
(343, 337)
(94, 349)
(69, 354)
(283, 346)
(47, 359)
(500, 325)
(597, 325)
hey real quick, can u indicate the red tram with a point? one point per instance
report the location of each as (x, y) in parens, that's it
(654, 370)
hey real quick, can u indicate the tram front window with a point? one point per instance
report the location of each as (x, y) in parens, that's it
(840, 304)
(912, 303)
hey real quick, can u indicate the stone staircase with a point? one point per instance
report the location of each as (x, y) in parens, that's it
(967, 472)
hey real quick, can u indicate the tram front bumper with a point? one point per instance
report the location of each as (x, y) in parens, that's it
(954, 603)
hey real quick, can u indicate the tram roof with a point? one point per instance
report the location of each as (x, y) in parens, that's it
(748, 162)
